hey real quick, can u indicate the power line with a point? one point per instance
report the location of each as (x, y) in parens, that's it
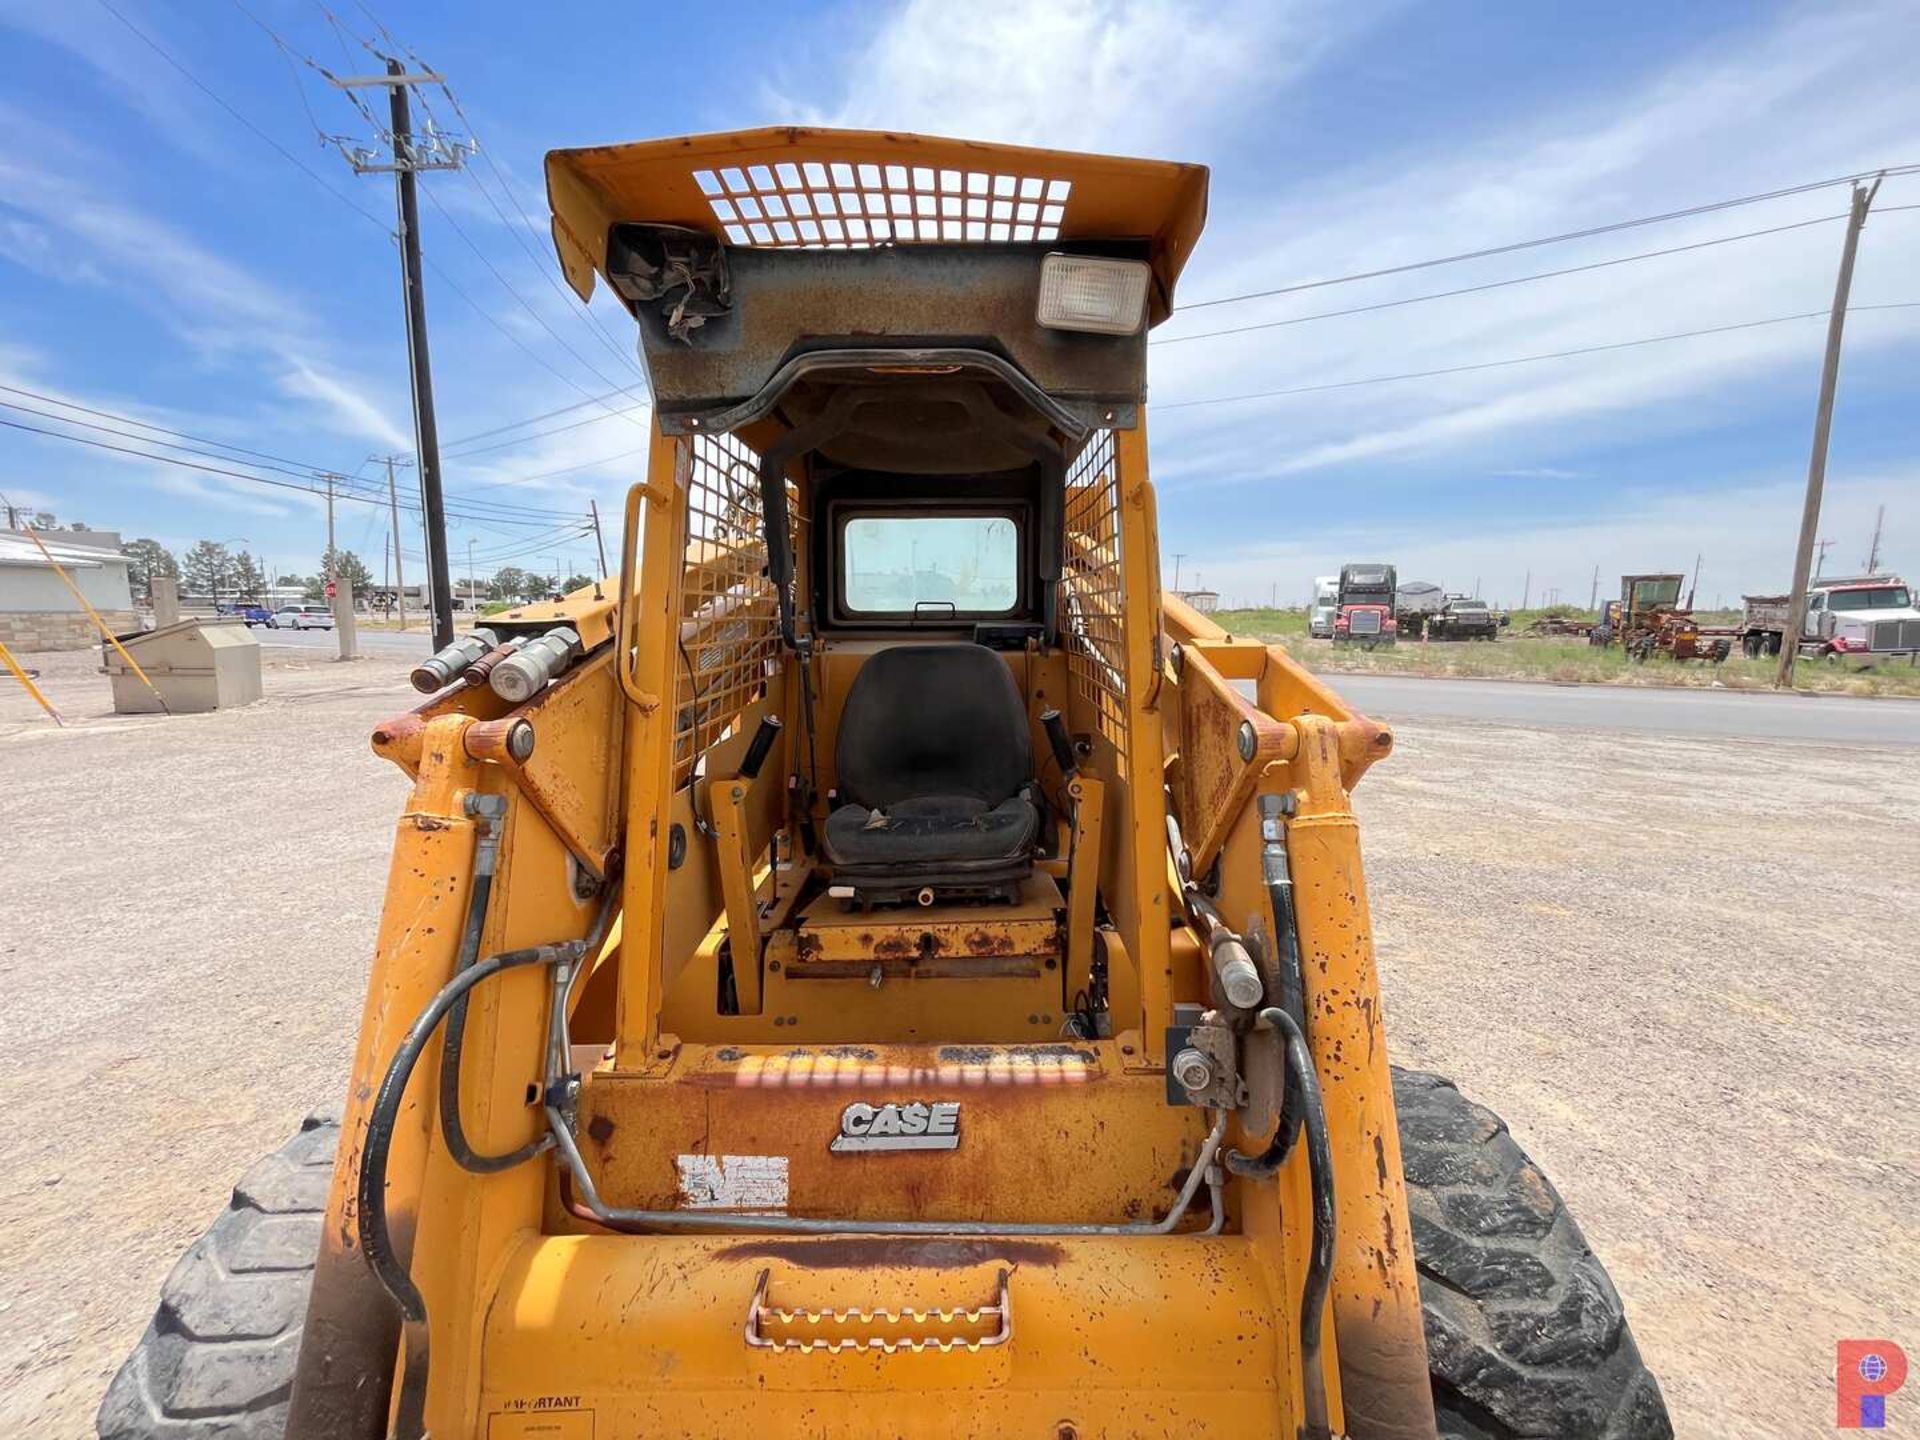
(340, 492)
(543, 434)
(564, 470)
(531, 419)
(1495, 284)
(566, 293)
(1524, 359)
(279, 463)
(526, 304)
(340, 195)
(1586, 234)
(343, 32)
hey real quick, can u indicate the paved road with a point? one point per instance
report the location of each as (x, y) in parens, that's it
(1720, 714)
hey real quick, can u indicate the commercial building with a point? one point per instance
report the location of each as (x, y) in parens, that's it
(37, 609)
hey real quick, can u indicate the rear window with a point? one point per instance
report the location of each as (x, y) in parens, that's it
(930, 565)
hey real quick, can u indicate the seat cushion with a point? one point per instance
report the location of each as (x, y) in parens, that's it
(934, 831)
(933, 720)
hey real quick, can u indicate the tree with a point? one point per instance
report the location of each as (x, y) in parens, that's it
(345, 565)
(510, 582)
(209, 569)
(146, 559)
(247, 577)
(577, 582)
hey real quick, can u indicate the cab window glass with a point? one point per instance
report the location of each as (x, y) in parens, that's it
(907, 564)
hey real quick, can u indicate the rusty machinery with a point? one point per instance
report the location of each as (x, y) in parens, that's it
(880, 966)
(1648, 619)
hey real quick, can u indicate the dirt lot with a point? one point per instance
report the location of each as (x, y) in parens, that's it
(1583, 928)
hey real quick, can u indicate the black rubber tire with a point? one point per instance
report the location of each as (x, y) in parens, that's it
(217, 1360)
(1526, 1335)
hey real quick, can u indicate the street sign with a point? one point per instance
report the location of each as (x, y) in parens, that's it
(332, 589)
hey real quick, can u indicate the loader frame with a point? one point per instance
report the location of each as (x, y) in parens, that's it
(627, 839)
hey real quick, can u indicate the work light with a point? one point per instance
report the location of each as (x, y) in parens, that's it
(1102, 297)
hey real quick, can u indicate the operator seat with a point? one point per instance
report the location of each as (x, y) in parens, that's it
(936, 780)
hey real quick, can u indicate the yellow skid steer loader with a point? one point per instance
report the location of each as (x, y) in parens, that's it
(878, 966)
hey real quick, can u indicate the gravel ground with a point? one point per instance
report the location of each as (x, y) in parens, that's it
(1582, 928)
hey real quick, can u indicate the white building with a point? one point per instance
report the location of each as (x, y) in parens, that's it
(37, 609)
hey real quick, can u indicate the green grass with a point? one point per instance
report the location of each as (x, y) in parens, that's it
(1559, 660)
(1266, 623)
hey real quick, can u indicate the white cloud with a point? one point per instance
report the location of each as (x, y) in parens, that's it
(220, 309)
(350, 408)
(1122, 76)
(1804, 99)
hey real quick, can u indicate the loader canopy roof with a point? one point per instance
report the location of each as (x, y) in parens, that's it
(794, 187)
(771, 273)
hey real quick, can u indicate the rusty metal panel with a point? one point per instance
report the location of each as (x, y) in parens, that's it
(1051, 1131)
(919, 298)
(949, 939)
(1108, 1337)
(1226, 741)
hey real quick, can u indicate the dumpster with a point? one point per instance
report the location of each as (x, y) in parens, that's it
(196, 664)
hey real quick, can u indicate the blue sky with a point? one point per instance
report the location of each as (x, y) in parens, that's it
(158, 260)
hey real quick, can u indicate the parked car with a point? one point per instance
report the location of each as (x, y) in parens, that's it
(303, 617)
(257, 615)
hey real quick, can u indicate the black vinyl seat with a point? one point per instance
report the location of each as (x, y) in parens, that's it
(935, 765)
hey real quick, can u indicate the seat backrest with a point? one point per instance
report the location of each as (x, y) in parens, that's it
(933, 720)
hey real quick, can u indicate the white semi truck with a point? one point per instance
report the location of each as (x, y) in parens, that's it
(1857, 620)
(1326, 604)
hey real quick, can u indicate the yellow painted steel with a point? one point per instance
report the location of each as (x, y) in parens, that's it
(32, 689)
(652, 181)
(546, 1324)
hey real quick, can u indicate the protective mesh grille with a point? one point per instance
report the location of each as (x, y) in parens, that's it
(729, 615)
(839, 205)
(1091, 589)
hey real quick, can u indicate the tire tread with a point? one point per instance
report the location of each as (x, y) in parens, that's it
(217, 1359)
(1526, 1335)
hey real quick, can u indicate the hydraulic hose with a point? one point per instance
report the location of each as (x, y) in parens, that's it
(1276, 865)
(1313, 1295)
(452, 1131)
(376, 1242)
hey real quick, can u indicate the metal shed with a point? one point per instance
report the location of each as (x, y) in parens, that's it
(197, 665)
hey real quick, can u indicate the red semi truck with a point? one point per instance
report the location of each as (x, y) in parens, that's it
(1365, 616)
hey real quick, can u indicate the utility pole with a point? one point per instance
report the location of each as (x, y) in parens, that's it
(1873, 550)
(1526, 591)
(399, 575)
(1820, 562)
(1593, 595)
(327, 563)
(1694, 589)
(593, 509)
(1822, 430)
(1177, 558)
(407, 159)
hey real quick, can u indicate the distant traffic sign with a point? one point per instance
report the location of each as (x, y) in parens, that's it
(332, 589)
